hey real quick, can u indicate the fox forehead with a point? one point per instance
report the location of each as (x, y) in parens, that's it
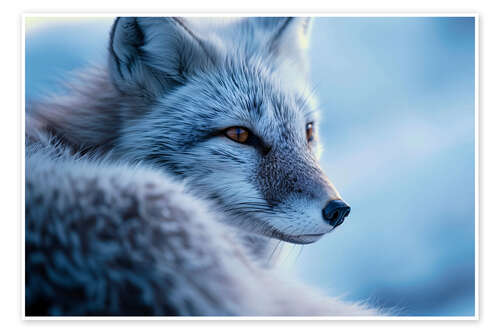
(240, 94)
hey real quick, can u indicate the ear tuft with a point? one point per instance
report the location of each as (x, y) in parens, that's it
(286, 38)
(151, 55)
(291, 32)
(127, 41)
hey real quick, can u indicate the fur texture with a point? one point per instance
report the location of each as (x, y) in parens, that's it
(114, 239)
(136, 201)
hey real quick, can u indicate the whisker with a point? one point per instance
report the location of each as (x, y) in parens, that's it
(289, 253)
(280, 249)
(272, 253)
(298, 254)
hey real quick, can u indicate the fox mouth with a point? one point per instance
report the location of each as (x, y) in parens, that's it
(295, 239)
(298, 239)
(302, 239)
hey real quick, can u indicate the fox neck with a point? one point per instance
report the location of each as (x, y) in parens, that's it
(261, 248)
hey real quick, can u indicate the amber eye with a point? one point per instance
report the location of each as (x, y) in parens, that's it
(238, 134)
(310, 132)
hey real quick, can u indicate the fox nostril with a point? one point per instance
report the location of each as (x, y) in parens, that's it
(335, 211)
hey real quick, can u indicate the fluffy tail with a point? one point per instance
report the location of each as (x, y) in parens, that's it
(109, 239)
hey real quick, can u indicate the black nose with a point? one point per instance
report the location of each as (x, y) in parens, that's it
(335, 212)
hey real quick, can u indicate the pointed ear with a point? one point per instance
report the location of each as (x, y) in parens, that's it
(290, 34)
(285, 37)
(150, 55)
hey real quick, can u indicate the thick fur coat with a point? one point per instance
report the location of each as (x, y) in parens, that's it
(137, 204)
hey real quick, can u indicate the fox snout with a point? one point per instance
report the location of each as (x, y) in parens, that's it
(294, 176)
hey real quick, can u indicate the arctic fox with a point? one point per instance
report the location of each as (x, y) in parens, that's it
(160, 181)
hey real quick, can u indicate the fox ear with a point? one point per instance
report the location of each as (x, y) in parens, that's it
(150, 55)
(286, 37)
(289, 32)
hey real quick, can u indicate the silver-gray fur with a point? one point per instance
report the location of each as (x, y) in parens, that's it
(137, 204)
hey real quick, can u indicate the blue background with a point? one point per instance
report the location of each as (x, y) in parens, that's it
(397, 96)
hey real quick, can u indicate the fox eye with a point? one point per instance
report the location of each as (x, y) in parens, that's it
(310, 132)
(238, 134)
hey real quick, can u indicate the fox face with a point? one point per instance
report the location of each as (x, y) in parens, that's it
(227, 108)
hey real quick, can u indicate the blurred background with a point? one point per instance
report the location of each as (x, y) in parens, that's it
(397, 96)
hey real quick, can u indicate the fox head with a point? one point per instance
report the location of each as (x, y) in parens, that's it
(227, 108)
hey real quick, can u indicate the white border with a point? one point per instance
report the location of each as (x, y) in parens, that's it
(247, 14)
